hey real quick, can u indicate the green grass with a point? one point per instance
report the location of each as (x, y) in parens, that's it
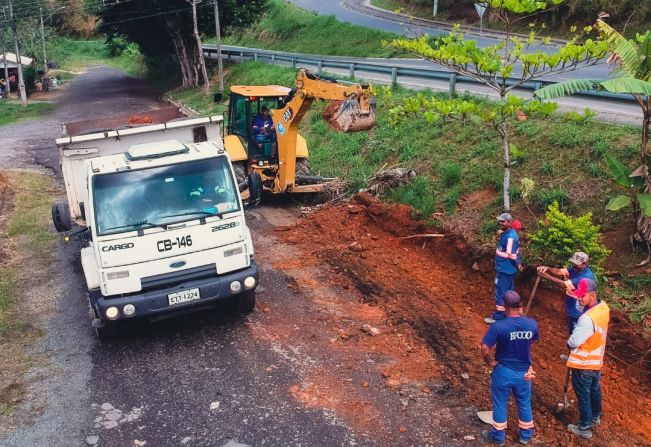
(30, 220)
(12, 111)
(73, 55)
(289, 28)
(7, 288)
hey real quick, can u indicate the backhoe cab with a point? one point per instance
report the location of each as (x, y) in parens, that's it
(272, 147)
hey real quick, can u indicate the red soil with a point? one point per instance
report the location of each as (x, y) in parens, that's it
(433, 301)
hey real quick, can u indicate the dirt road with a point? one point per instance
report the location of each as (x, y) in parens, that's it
(349, 346)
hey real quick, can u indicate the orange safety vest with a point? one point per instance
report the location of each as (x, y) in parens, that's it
(590, 355)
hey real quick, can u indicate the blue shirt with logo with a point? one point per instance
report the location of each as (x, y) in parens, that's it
(572, 304)
(507, 265)
(513, 337)
(259, 122)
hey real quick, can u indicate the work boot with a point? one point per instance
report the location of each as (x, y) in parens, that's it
(524, 441)
(580, 432)
(487, 438)
(489, 320)
(596, 421)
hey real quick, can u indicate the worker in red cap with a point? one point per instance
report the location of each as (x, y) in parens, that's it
(587, 346)
(568, 278)
(507, 264)
(512, 373)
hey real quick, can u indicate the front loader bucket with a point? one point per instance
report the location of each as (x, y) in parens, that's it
(347, 116)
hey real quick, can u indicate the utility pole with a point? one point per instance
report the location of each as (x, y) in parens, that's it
(21, 81)
(4, 54)
(220, 67)
(435, 8)
(43, 39)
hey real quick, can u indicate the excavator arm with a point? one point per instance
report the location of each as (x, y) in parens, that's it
(351, 110)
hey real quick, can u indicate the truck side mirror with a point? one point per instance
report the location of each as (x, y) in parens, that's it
(61, 217)
(218, 97)
(255, 190)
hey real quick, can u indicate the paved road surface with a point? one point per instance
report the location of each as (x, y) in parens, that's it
(213, 379)
(338, 9)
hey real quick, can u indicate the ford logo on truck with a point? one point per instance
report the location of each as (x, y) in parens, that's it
(115, 247)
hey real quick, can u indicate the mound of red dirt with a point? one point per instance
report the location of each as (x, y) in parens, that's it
(429, 284)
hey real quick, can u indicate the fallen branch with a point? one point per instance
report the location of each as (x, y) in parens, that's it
(424, 235)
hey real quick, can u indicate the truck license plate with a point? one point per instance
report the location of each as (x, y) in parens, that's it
(183, 297)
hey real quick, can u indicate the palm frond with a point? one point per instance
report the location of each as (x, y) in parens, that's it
(625, 51)
(644, 54)
(627, 85)
(566, 88)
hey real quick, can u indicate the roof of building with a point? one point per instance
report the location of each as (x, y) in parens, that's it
(11, 57)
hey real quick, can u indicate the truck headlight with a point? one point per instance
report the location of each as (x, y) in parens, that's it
(129, 310)
(236, 286)
(118, 275)
(249, 282)
(112, 313)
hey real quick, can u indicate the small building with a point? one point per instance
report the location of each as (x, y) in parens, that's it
(12, 67)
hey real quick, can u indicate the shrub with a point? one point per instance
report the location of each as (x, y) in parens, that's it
(450, 173)
(560, 235)
(547, 197)
(452, 199)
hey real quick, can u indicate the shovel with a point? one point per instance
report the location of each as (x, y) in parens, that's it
(533, 293)
(486, 416)
(562, 406)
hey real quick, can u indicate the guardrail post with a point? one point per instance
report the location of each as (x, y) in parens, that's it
(319, 67)
(394, 76)
(255, 56)
(241, 56)
(273, 59)
(228, 55)
(351, 71)
(453, 84)
(293, 62)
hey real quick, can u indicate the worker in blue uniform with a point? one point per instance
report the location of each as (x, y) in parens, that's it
(507, 264)
(512, 372)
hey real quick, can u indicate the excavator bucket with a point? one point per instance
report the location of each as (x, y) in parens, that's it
(348, 116)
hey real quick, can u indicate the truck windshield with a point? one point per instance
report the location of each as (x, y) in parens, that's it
(160, 196)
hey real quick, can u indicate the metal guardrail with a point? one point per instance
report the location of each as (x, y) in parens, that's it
(323, 62)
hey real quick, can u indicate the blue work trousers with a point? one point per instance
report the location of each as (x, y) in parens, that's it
(587, 386)
(505, 381)
(503, 283)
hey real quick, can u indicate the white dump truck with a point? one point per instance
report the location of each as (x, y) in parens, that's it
(154, 201)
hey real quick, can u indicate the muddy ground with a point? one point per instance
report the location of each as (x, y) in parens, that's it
(352, 344)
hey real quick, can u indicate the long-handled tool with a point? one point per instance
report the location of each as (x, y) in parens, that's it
(562, 406)
(533, 293)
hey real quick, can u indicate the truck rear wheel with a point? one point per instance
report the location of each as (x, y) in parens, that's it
(246, 301)
(240, 171)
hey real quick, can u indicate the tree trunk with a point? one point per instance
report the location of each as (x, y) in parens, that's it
(506, 185)
(181, 54)
(197, 38)
(643, 233)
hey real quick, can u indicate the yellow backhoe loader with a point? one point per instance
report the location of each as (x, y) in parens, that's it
(275, 150)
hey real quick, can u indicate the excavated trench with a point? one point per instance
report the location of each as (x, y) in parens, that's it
(431, 296)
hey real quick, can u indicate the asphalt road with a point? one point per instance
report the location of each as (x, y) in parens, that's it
(397, 24)
(215, 378)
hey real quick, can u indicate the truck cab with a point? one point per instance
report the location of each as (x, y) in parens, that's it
(162, 225)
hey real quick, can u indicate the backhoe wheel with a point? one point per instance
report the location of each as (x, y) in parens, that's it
(240, 171)
(246, 301)
(302, 166)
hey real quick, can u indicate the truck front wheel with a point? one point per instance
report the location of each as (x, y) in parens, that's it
(105, 332)
(246, 301)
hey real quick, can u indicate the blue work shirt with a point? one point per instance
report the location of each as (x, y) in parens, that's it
(259, 122)
(506, 255)
(572, 306)
(513, 337)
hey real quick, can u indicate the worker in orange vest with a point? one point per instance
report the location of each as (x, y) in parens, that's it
(587, 347)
